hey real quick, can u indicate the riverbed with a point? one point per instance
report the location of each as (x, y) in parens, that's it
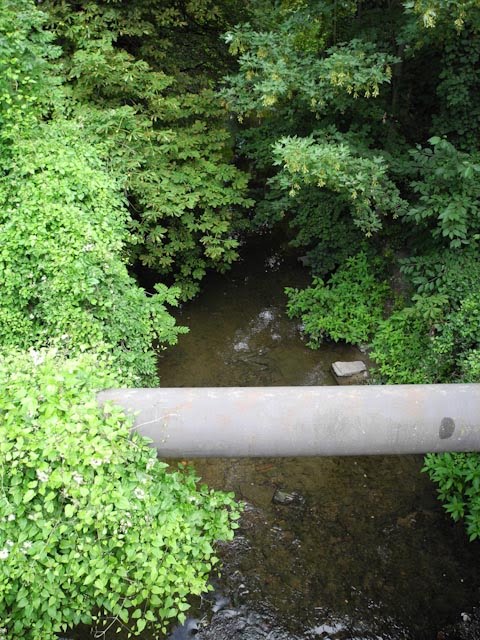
(340, 548)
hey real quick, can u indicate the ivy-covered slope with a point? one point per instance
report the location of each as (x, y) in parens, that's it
(93, 527)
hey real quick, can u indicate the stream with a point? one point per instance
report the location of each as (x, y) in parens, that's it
(331, 548)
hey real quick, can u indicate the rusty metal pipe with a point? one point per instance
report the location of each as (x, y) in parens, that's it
(305, 421)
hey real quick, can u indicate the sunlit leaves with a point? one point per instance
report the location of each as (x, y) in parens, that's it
(362, 181)
(27, 82)
(273, 69)
(94, 528)
(63, 223)
(163, 126)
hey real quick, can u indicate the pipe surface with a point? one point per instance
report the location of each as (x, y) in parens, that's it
(304, 421)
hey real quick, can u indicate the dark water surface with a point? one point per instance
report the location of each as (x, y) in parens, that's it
(362, 549)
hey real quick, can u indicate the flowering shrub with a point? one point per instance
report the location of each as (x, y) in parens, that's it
(93, 528)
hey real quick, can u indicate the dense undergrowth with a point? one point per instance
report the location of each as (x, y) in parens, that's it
(122, 127)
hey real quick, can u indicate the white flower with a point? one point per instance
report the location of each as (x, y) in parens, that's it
(150, 463)
(9, 543)
(95, 462)
(11, 517)
(139, 493)
(124, 525)
(42, 476)
(78, 478)
(26, 546)
(4, 554)
(36, 356)
(88, 247)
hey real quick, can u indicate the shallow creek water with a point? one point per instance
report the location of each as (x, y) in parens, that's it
(363, 548)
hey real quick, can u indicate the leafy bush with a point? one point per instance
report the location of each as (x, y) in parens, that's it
(458, 479)
(64, 278)
(26, 78)
(93, 528)
(322, 226)
(448, 192)
(349, 307)
(138, 94)
(400, 348)
(275, 65)
(361, 181)
(437, 339)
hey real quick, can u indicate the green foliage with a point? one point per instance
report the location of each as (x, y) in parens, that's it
(332, 165)
(323, 228)
(448, 192)
(456, 345)
(64, 278)
(458, 479)
(163, 126)
(458, 91)
(26, 78)
(436, 338)
(349, 307)
(399, 348)
(332, 95)
(453, 13)
(274, 67)
(94, 529)
(308, 100)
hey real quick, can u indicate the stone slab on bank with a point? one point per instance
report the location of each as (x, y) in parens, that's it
(354, 372)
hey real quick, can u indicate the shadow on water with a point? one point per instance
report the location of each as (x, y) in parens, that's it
(329, 547)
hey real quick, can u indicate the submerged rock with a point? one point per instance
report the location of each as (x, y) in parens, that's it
(287, 499)
(242, 624)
